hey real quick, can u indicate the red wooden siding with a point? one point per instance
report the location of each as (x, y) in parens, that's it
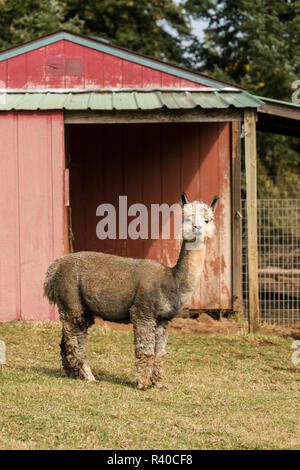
(31, 210)
(65, 64)
(153, 164)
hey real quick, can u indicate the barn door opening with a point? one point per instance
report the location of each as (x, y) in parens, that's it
(152, 164)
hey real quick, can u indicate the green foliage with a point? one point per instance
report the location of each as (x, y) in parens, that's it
(154, 28)
(22, 21)
(256, 44)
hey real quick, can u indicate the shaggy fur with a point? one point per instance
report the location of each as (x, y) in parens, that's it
(85, 285)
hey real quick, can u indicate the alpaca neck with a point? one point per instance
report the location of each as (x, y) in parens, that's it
(188, 269)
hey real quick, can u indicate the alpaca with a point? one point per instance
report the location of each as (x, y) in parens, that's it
(86, 285)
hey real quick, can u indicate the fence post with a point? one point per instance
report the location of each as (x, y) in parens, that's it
(251, 207)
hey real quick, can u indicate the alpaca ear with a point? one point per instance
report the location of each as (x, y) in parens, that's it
(184, 199)
(213, 203)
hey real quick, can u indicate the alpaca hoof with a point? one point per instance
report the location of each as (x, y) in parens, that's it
(86, 374)
(143, 385)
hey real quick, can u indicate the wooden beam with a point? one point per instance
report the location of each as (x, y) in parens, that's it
(251, 206)
(166, 115)
(284, 111)
(236, 219)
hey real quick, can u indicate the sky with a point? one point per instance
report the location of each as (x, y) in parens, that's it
(198, 28)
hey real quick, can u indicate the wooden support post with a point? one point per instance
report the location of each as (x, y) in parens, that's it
(251, 206)
(236, 218)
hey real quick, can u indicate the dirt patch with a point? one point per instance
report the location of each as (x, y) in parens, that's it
(206, 325)
(114, 326)
(279, 330)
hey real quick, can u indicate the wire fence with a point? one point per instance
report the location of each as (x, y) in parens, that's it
(278, 223)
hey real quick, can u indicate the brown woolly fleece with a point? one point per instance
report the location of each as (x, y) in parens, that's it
(85, 285)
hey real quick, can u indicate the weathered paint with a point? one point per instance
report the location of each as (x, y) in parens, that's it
(68, 65)
(154, 164)
(109, 49)
(31, 210)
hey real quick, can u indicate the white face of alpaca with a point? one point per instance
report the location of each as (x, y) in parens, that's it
(198, 221)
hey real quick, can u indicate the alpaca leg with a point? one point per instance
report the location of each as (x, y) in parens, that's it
(161, 336)
(73, 351)
(144, 341)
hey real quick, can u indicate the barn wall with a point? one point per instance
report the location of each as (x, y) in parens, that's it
(31, 210)
(68, 65)
(154, 164)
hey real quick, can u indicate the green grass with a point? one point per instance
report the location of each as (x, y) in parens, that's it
(225, 392)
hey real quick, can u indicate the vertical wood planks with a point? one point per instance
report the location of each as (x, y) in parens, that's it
(77, 180)
(209, 179)
(3, 74)
(152, 184)
(236, 217)
(74, 65)
(133, 181)
(35, 191)
(171, 187)
(17, 72)
(223, 233)
(151, 78)
(170, 81)
(31, 213)
(53, 80)
(112, 148)
(131, 75)
(93, 69)
(112, 71)
(190, 177)
(10, 308)
(35, 67)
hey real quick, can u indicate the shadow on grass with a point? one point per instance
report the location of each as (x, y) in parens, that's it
(104, 376)
(100, 376)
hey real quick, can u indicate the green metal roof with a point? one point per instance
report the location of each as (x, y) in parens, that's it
(126, 100)
(280, 102)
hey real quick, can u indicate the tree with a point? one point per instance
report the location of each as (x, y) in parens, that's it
(255, 43)
(22, 21)
(155, 28)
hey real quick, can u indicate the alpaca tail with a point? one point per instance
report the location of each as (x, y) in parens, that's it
(51, 282)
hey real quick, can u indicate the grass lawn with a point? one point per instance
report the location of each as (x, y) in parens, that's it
(225, 392)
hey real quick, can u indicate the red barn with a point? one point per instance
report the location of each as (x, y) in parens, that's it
(83, 121)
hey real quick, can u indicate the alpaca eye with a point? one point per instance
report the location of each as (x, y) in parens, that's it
(206, 221)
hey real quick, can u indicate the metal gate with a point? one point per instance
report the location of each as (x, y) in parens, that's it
(278, 223)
